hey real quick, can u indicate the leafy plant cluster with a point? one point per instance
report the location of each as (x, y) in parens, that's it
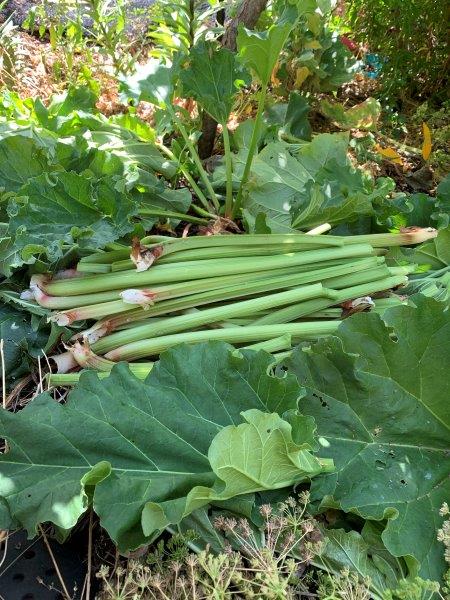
(332, 458)
(88, 28)
(411, 39)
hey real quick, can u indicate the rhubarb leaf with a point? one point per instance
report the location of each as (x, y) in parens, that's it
(65, 209)
(152, 82)
(210, 79)
(259, 454)
(127, 445)
(20, 159)
(301, 188)
(259, 50)
(364, 555)
(379, 397)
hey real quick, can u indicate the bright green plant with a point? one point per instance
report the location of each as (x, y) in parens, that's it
(179, 24)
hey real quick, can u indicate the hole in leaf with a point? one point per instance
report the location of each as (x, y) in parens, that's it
(18, 577)
(403, 481)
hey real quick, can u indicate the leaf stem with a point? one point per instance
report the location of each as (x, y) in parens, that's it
(200, 195)
(299, 331)
(159, 212)
(229, 172)
(252, 148)
(195, 157)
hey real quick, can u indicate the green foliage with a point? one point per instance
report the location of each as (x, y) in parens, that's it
(361, 554)
(432, 277)
(179, 24)
(63, 209)
(299, 186)
(383, 417)
(86, 27)
(210, 78)
(411, 39)
(154, 446)
(24, 337)
(259, 51)
(72, 178)
(314, 59)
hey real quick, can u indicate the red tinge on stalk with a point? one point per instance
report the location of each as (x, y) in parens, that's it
(94, 333)
(35, 292)
(144, 298)
(350, 307)
(417, 235)
(144, 257)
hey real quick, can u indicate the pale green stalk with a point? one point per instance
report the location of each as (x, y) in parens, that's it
(283, 342)
(406, 238)
(198, 269)
(240, 335)
(211, 315)
(357, 278)
(167, 214)
(204, 244)
(218, 288)
(210, 253)
(291, 313)
(229, 172)
(259, 286)
(93, 268)
(139, 370)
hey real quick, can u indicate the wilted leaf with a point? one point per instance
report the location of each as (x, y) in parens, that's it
(361, 116)
(426, 146)
(390, 154)
(301, 74)
(380, 400)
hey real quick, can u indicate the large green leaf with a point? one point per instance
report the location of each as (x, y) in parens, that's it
(361, 554)
(153, 82)
(259, 51)
(210, 78)
(67, 208)
(143, 155)
(20, 159)
(380, 401)
(132, 445)
(303, 187)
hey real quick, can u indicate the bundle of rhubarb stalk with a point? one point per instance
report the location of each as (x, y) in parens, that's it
(254, 291)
